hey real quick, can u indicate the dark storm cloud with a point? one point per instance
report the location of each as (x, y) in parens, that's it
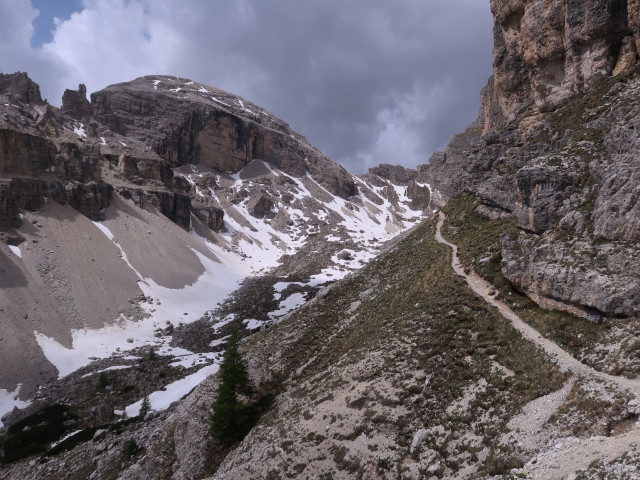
(366, 81)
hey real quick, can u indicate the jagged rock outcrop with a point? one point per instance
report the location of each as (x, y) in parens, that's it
(19, 88)
(189, 123)
(75, 103)
(260, 205)
(396, 173)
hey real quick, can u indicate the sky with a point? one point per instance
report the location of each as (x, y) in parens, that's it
(366, 81)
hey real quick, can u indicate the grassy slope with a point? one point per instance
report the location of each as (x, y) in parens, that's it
(479, 243)
(420, 352)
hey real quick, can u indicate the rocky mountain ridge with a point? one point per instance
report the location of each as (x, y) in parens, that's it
(144, 208)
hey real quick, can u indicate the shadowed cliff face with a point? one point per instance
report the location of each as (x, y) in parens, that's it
(548, 51)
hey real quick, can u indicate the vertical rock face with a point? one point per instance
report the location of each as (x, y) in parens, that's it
(549, 51)
(75, 103)
(24, 152)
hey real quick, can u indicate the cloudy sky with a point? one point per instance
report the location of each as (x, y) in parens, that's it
(366, 81)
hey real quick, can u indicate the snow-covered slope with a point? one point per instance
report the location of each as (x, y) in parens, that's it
(183, 250)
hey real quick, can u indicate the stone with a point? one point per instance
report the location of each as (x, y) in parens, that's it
(75, 103)
(195, 129)
(260, 205)
(19, 88)
(397, 174)
(549, 52)
(628, 57)
(420, 195)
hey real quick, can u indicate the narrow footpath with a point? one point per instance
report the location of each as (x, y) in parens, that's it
(560, 463)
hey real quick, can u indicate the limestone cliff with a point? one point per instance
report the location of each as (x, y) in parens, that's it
(555, 150)
(548, 52)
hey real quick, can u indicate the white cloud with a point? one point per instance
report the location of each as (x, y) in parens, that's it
(16, 54)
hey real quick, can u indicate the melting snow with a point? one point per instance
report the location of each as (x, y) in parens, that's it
(252, 245)
(114, 367)
(220, 101)
(64, 438)
(16, 250)
(162, 399)
(243, 107)
(102, 141)
(155, 84)
(292, 302)
(103, 228)
(124, 144)
(217, 281)
(79, 131)
(252, 324)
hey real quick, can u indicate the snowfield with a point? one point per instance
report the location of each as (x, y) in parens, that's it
(246, 246)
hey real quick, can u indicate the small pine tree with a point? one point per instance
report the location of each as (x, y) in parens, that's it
(103, 380)
(229, 416)
(145, 406)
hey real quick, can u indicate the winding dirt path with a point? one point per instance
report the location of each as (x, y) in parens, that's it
(565, 361)
(560, 463)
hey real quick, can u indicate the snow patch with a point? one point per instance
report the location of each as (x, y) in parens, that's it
(105, 230)
(292, 302)
(16, 250)
(114, 367)
(161, 400)
(220, 102)
(79, 131)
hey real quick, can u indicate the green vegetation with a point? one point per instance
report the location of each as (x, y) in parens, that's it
(434, 343)
(230, 419)
(103, 380)
(130, 448)
(573, 119)
(478, 240)
(145, 407)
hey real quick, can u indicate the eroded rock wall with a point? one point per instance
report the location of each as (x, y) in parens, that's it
(550, 51)
(555, 150)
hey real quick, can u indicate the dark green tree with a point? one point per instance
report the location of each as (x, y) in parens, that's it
(145, 406)
(230, 417)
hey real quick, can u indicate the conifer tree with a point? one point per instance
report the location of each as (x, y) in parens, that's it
(230, 416)
(145, 406)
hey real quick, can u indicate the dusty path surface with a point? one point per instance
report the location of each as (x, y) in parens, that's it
(562, 462)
